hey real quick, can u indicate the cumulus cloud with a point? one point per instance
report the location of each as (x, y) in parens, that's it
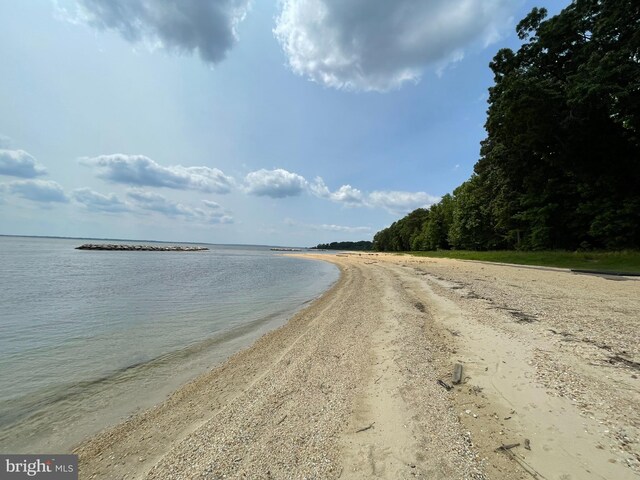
(138, 170)
(345, 194)
(328, 227)
(208, 27)
(18, 163)
(401, 202)
(155, 202)
(44, 191)
(380, 44)
(276, 183)
(392, 201)
(95, 201)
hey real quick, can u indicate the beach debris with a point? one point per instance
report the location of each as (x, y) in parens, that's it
(419, 306)
(507, 446)
(624, 361)
(282, 419)
(476, 390)
(445, 385)
(364, 429)
(527, 444)
(457, 373)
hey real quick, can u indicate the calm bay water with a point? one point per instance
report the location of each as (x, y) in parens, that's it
(89, 337)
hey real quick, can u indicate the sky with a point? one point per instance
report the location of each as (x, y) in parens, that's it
(272, 122)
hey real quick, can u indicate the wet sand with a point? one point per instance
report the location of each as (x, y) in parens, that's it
(348, 388)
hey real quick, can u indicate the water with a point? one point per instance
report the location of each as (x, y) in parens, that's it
(89, 337)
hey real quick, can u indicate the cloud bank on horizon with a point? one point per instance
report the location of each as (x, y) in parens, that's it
(138, 171)
(278, 183)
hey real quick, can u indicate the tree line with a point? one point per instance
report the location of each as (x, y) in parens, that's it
(560, 166)
(362, 245)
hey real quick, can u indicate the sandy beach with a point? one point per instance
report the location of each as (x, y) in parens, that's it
(348, 388)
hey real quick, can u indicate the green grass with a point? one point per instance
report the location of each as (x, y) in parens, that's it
(624, 261)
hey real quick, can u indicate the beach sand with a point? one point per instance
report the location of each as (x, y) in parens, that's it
(348, 388)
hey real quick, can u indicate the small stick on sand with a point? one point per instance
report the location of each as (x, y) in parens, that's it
(445, 385)
(365, 428)
(508, 446)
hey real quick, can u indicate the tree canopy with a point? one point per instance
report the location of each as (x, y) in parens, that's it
(560, 166)
(361, 245)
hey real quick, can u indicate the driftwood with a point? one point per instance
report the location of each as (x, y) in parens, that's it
(508, 446)
(445, 385)
(366, 428)
(457, 374)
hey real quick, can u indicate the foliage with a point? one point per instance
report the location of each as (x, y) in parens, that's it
(362, 245)
(560, 166)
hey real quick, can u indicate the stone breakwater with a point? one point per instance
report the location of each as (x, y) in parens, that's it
(141, 248)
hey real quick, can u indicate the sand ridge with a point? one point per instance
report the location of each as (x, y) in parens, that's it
(348, 387)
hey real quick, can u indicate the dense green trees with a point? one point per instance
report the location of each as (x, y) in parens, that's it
(362, 245)
(560, 167)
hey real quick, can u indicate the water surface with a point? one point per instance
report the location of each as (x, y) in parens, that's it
(88, 337)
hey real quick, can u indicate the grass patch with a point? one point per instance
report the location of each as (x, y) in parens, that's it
(624, 261)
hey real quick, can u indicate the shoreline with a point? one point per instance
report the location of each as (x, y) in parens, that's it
(94, 447)
(348, 386)
(66, 413)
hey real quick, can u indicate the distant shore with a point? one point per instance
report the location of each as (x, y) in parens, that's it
(348, 388)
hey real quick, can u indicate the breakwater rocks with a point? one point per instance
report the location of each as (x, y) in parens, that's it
(140, 248)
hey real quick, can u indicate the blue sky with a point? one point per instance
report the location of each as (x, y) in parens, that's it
(287, 122)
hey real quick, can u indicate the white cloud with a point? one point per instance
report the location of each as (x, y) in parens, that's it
(341, 228)
(18, 163)
(400, 202)
(395, 202)
(155, 202)
(328, 227)
(95, 201)
(138, 170)
(345, 194)
(44, 191)
(208, 27)
(276, 183)
(381, 44)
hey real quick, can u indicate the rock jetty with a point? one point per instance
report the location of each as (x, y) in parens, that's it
(140, 248)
